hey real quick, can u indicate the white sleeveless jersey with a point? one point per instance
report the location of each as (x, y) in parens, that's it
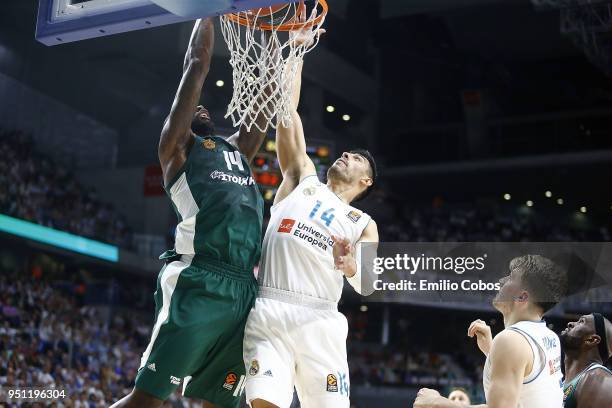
(297, 254)
(543, 387)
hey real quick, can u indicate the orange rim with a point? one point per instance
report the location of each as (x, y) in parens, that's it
(289, 26)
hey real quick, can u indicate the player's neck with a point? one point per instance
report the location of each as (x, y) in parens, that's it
(342, 190)
(577, 361)
(521, 316)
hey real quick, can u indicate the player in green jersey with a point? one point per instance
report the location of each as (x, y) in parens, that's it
(207, 287)
(587, 344)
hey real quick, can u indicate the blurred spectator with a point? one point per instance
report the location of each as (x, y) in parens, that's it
(35, 189)
(461, 396)
(478, 222)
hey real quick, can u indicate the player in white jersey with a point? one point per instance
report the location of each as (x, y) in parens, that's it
(523, 366)
(295, 335)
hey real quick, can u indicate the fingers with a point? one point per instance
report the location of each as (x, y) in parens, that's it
(313, 14)
(477, 327)
(342, 241)
(340, 263)
(338, 240)
(470, 331)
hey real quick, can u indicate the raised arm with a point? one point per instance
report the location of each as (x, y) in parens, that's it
(176, 135)
(290, 142)
(510, 357)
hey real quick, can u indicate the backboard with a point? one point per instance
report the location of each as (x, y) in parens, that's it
(63, 21)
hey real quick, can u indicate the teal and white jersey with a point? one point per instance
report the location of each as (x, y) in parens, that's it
(218, 204)
(542, 388)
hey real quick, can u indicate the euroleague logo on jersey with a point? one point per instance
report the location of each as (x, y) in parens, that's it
(286, 225)
(230, 381)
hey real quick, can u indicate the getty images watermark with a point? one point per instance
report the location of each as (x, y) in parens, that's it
(424, 263)
(471, 273)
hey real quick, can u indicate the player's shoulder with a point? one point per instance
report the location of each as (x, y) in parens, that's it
(598, 374)
(311, 179)
(510, 342)
(358, 216)
(596, 383)
(508, 336)
(310, 185)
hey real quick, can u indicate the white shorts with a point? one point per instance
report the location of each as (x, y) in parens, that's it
(287, 345)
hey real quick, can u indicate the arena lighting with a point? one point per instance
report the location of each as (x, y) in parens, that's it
(560, 201)
(363, 308)
(58, 239)
(548, 194)
(271, 146)
(323, 151)
(583, 209)
(220, 83)
(507, 197)
(330, 108)
(346, 118)
(529, 203)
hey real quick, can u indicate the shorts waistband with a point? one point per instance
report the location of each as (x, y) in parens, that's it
(297, 298)
(221, 268)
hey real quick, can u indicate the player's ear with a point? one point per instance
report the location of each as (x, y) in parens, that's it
(367, 181)
(593, 340)
(523, 297)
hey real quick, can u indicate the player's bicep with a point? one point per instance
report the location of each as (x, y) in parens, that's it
(510, 355)
(370, 233)
(366, 250)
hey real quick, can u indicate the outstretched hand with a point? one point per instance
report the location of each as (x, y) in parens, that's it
(305, 36)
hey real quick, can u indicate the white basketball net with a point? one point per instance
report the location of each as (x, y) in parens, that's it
(264, 64)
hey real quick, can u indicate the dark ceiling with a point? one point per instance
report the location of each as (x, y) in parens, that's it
(398, 66)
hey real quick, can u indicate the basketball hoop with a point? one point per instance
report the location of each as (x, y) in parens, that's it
(264, 59)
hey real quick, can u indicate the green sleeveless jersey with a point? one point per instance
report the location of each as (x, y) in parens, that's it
(569, 389)
(218, 205)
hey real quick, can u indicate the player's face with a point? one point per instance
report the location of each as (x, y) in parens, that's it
(460, 397)
(511, 289)
(202, 124)
(573, 335)
(350, 167)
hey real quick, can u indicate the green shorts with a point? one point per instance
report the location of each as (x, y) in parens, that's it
(201, 307)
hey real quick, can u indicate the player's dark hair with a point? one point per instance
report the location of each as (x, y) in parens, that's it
(460, 389)
(545, 281)
(373, 171)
